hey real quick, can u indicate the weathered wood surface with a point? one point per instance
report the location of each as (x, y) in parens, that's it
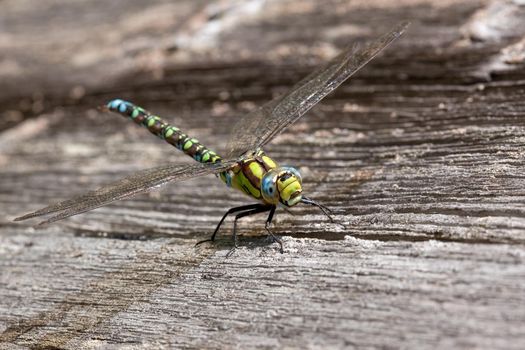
(421, 157)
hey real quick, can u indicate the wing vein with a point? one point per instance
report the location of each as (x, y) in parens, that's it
(126, 187)
(263, 124)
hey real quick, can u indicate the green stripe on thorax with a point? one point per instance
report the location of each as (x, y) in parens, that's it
(247, 174)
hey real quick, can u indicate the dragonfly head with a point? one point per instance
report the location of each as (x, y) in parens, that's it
(282, 185)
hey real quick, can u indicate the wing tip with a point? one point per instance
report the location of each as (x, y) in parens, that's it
(387, 38)
(30, 216)
(402, 26)
(33, 215)
(398, 30)
(23, 217)
(42, 223)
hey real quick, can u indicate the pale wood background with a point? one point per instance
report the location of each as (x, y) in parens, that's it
(421, 156)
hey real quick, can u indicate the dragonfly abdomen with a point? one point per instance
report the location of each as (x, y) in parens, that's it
(165, 131)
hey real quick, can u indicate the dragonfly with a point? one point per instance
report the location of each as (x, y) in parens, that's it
(245, 167)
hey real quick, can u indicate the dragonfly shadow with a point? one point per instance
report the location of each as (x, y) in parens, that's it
(253, 242)
(249, 242)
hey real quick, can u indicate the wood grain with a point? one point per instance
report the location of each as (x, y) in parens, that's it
(420, 156)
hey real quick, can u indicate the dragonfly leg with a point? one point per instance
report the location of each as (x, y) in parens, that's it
(267, 227)
(260, 209)
(230, 211)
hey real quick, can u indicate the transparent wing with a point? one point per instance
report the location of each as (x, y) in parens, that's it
(126, 187)
(260, 126)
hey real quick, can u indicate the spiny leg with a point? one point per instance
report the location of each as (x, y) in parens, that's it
(261, 209)
(230, 211)
(267, 227)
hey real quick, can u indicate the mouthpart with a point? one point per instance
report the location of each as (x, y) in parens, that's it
(294, 198)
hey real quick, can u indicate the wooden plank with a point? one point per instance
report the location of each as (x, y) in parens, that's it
(331, 293)
(421, 158)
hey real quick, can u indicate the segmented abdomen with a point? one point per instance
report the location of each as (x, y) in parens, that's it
(159, 127)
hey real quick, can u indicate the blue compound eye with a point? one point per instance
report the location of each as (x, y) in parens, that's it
(269, 187)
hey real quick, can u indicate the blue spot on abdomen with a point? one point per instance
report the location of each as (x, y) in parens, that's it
(113, 104)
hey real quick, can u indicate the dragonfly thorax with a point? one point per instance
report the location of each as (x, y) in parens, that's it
(282, 185)
(262, 178)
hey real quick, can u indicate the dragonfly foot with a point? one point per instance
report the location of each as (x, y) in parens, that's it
(204, 241)
(232, 250)
(275, 239)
